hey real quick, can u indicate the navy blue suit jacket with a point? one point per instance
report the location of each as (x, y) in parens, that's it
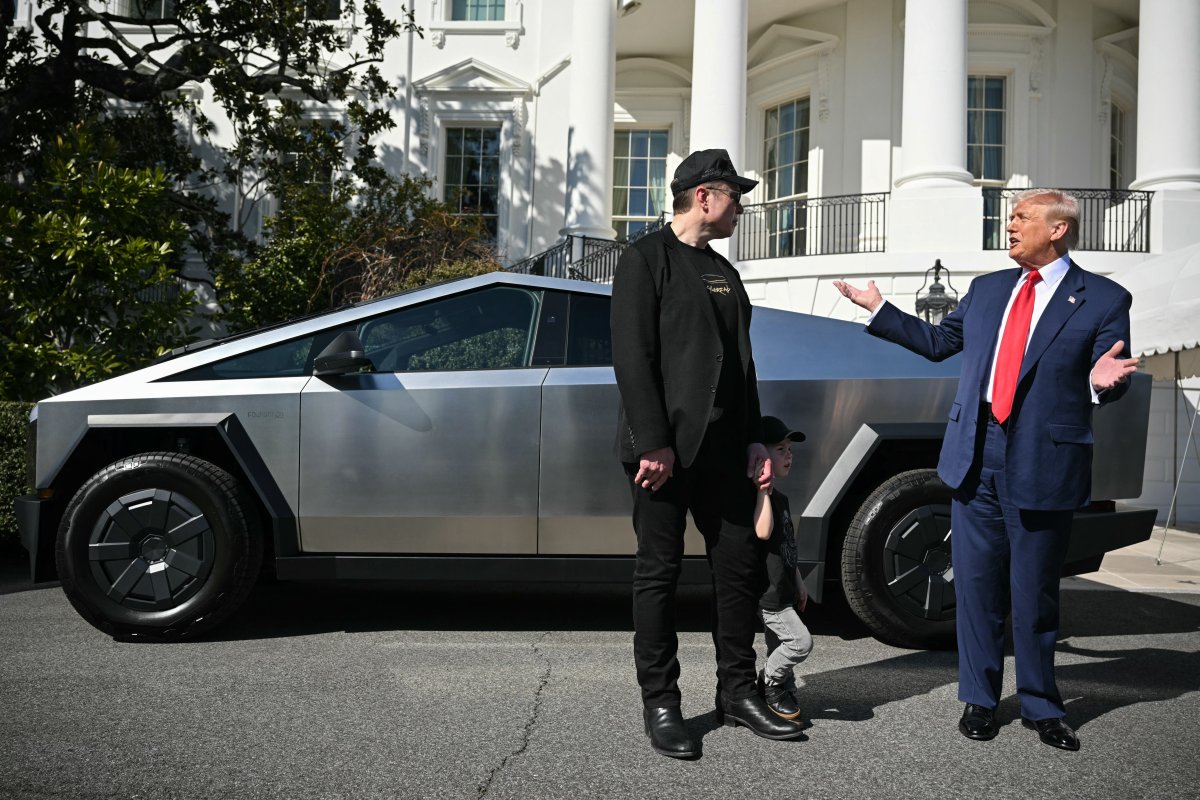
(1049, 459)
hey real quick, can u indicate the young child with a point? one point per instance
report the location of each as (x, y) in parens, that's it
(788, 640)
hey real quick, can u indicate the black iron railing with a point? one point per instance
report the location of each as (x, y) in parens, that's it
(1110, 220)
(582, 257)
(851, 223)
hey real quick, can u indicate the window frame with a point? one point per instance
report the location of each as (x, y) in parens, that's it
(1005, 147)
(774, 93)
(447, 111)
(764, 172)
(790, 218)
(130, 6)
(626, 219)
(268, 204)
(445, 169)
(442, 23)
(450, 6)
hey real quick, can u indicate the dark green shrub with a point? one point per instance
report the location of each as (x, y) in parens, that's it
(14, 421)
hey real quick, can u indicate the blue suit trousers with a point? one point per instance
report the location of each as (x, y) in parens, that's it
(1005, 557)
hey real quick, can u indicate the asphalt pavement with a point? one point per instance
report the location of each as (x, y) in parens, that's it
(385, 691)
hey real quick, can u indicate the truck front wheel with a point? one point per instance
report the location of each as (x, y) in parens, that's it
(158, 546)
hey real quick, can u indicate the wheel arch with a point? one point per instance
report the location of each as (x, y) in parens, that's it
(218, 438)
(875, 452)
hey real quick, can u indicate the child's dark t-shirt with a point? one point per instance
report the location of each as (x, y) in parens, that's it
(781, 557)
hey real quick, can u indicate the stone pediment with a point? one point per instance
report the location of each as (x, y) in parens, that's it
(472, 76)
(781, 43)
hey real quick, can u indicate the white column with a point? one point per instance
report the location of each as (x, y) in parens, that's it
(933, 181)
(1168, 103)
(719, 77)
(1168, 120)
(589, 149)
(719, 84)
(934, 119)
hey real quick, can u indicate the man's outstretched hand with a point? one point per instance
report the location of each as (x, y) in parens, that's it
(870, 298)
(1111, 370)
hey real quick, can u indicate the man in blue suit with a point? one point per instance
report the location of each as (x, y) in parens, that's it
(1043, 345)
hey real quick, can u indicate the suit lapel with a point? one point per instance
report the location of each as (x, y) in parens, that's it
(1068, 298)
(991, 315)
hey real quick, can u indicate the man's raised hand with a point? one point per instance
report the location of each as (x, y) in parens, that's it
(870, 298)
(1111, 370)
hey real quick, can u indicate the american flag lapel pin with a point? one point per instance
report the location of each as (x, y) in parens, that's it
(1071, 299)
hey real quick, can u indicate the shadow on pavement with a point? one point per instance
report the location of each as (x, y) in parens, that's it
(286, 609)
(283, 609)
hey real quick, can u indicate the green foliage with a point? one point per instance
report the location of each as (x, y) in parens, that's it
(343, 230)
(91, 254)
(81, 55)
(14, 422)
(339, 245)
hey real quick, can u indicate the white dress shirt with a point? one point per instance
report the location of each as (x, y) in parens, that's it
(1043, 290)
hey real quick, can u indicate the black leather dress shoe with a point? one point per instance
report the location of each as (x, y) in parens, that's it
(668, 735)
(978, 723)
(1054, 732)
(753, 713)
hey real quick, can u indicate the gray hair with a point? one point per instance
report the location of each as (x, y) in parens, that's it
(1060, 207)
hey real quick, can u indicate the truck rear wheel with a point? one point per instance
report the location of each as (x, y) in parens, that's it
(158, 546)
(896, 568)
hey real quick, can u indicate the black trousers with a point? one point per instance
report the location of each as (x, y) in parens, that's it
(720, 497)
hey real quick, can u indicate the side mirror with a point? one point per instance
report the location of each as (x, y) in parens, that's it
(343, 355)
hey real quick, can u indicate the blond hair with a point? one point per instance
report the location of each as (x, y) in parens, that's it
(1060, 207)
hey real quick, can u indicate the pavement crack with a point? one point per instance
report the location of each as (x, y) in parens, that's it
(530, 723)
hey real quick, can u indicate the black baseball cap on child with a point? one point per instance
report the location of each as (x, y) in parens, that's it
(775, 431)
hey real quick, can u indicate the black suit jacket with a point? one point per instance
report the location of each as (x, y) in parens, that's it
(667, 351)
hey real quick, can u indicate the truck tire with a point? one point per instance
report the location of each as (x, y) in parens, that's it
(158, 547)
(896, 568)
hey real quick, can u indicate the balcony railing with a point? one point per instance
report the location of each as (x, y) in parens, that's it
(1110, 220)
(815, 226)
(582, 257)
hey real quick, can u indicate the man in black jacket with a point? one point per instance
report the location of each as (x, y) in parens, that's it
(689, 436)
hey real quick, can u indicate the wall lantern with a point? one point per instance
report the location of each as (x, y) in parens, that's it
(935, 304)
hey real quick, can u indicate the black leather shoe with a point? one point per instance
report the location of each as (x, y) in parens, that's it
(978, 723)
(778, 699)
(753, 713)
(1054, 732)
(668, 735)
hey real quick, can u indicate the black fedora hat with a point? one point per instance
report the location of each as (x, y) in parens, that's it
(704, 166)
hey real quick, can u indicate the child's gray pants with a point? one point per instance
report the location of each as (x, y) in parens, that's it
(788, 643)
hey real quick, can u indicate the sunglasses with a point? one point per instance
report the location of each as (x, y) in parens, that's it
(734, 194)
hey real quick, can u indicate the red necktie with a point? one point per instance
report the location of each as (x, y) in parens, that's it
(1012, 349)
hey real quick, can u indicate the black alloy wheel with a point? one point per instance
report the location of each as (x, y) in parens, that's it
(896, 562)
(158, 546)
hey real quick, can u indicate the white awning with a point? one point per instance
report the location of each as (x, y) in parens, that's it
(1165, 318)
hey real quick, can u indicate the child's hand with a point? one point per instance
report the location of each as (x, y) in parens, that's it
(802, 596)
